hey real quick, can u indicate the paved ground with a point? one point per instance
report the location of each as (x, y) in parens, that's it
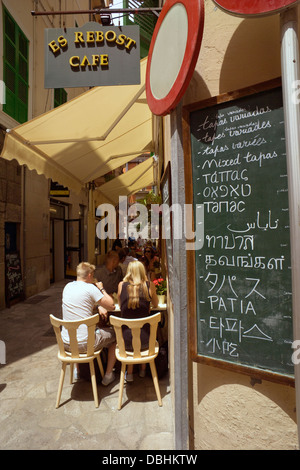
(28, 388)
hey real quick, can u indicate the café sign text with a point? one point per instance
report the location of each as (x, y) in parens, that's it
(92, 56)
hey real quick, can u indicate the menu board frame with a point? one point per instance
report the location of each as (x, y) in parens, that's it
(166, 188)
(254, 371)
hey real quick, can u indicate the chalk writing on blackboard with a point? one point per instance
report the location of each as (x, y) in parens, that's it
(243, 272)
(14, 283)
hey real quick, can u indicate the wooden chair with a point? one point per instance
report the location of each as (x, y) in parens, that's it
(137, 356)
(74, 356)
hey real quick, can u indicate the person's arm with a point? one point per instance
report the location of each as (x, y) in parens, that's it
(106, 301)
(154, 298)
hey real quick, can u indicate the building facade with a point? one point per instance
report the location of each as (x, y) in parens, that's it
(214, 407)
(33, 228)
(226, 408)
(46, 228)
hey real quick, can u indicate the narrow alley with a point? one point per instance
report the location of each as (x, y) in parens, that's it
(29, 383)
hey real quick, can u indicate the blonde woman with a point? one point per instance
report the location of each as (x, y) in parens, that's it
(135, 293)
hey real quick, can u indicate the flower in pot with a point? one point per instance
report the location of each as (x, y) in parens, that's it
(161, 289)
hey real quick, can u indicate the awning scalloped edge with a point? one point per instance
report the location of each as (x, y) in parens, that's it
(34, 159)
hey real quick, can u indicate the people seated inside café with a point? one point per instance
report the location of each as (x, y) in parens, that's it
(122, 279)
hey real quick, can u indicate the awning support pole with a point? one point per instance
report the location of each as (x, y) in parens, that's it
(290, 83)
(100, 11)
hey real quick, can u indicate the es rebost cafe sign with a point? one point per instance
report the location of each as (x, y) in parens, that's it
(93, 55)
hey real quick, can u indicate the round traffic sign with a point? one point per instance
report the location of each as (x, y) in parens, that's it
(173, 53)
(254, 7)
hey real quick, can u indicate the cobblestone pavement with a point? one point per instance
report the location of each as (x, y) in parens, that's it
(28, 388)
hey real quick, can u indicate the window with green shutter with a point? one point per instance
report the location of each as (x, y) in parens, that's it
(60, 96)
(15, 69)
(145, 22)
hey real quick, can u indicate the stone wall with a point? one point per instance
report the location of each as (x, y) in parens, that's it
(10, 208)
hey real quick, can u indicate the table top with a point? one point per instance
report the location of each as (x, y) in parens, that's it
(159, 308)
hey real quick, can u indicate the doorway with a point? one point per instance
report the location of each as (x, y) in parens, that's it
(66, 242)
(57, 268)
(58, 213)
(73, 246)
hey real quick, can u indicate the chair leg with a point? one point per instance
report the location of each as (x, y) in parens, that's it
(155, 381)
(100, 365)
(71, 372)
(122, 379)
(61, 382)
(94, 383)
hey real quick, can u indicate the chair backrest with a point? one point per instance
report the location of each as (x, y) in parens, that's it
(72, 327)
(135, 325)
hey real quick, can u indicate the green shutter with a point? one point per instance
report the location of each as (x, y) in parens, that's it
(60, 96)
(145, 22)
(15, 69)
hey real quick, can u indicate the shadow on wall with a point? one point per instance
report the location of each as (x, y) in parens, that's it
(252, 55)
(197, 90)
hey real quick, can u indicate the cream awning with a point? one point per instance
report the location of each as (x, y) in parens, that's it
(139, 177)
(86, 137)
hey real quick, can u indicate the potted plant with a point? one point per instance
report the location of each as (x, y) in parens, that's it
(161, 290)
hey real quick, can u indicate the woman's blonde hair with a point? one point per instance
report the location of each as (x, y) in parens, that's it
(137, 280)
(84, 269)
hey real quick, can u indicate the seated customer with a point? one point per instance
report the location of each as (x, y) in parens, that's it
(78, 302)
(151, 262)
(117, 244)
(135, 294)
(110, 273)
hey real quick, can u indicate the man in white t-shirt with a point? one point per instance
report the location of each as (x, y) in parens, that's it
(78, 302)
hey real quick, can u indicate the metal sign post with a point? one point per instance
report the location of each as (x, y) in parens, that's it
(179, 289)
(290, 83)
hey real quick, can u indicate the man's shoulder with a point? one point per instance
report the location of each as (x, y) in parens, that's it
(69, 286)
(101, 268)
(79, 286)
(71, 289)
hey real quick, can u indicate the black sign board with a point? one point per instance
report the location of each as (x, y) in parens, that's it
(242, 275)
(59, 190)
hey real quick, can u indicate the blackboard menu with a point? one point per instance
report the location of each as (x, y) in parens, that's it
(13, 277)
(243, 272)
